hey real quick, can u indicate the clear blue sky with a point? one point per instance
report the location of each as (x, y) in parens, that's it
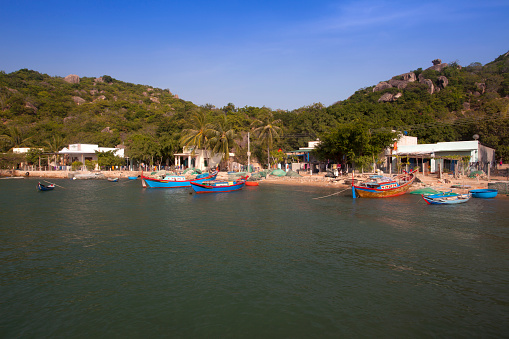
(279, 54)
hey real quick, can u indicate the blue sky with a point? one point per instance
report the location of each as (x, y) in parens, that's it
(278, 54)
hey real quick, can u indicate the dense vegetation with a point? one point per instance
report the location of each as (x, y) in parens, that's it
(44, 111)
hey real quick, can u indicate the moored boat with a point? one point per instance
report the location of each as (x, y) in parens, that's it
(218, 186)
(378, 186)
(446, 199)
(113, 179)
(484, 193)
(132, 177)
(251, 183)
(175, 181)
(42, 187)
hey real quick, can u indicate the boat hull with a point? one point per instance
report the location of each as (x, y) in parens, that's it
(214, 188)
(368, 192)
(484, 193)
(44, 188)
(175, 183)
(441, 199)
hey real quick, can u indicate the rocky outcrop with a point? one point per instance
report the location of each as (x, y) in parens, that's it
(400, 84)
(31, 106)
(410, 76)
(100, 97)
(381, 86)
(481, 86)
(388, 97)
(438, 65)
(72, 79)
(107, 130)
(156, 100)
(443, 81)
(78, 100)
(429, 83)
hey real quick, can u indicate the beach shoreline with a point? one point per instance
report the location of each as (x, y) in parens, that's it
(317, 180)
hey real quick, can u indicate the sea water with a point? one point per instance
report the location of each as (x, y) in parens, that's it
(99, 259)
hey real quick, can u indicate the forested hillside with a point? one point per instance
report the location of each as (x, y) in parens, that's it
(444, 102)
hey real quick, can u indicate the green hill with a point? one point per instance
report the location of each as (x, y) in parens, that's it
(444, 102)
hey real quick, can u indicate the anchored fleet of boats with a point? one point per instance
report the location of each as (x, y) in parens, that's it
(376, 186)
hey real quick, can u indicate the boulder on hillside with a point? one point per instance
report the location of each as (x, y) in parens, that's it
(31, 106)
(381, 86)
(78, 100)
(443, 81)
(438, 65)
(398, 83)
(72, 79)
(481, 86)
(107, 130)
(156, 100)
(100, 97)
(431, 87)
(388, 97)
(410, 76)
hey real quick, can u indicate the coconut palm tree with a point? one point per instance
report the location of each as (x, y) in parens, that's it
(223, 138)
(15, 138)
(267, 131)
(55, 145)
(198, 132)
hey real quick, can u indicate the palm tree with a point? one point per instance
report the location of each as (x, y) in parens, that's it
(198, 132)
(15, 138)
(222, 138)
(267, 131)
(55, 145)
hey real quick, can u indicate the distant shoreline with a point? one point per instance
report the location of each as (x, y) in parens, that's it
(318, 180)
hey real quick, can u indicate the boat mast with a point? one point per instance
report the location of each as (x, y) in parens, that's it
(248, 153)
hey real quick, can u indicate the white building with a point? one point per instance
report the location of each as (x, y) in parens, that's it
(445, 154)
(200, 159)
(83, 152)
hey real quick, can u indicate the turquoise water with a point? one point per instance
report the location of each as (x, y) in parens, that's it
(101, 259)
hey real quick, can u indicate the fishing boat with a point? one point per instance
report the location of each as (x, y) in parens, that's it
(175, 181)
(251, 183)
(378, 186)
(42, 187)
(132, 177)
(484, 193)
(113, 179)
(218, 186)
(446, 199)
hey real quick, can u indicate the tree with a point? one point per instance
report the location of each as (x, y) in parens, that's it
(198, 132)
(355, 143)
(108, 159)
(267, 131)
(222, 138)
(15, 138)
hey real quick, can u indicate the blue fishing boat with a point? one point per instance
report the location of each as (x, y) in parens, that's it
(42, 187)
(132, 178)
(175, 181)
(218, 186)
(446, 198)
(484, 193)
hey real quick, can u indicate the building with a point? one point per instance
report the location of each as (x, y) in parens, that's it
(444, 155)
(199, 159)
(306, 161)
(83, 152)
